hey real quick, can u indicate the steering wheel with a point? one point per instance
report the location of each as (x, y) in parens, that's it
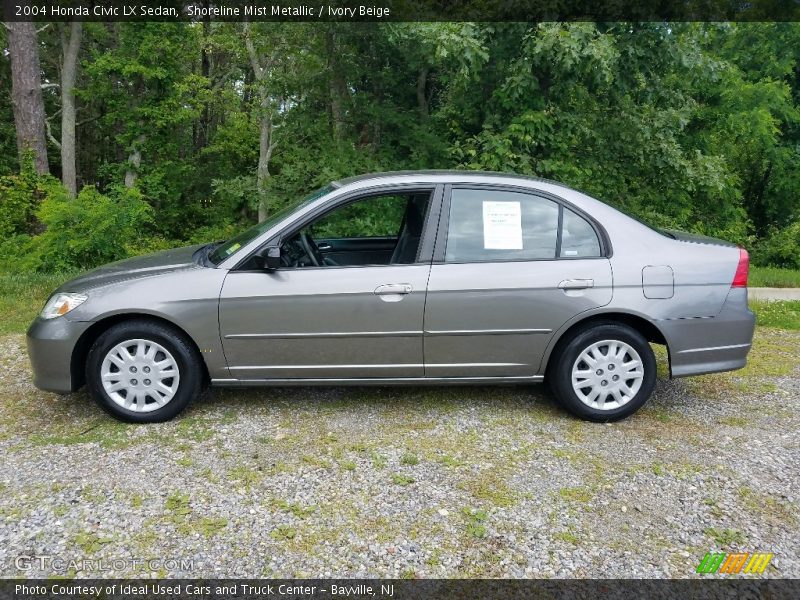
(311, 249)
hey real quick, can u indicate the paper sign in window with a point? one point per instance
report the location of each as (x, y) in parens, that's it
(502, 226)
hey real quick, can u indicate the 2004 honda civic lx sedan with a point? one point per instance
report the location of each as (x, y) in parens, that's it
(405, 278)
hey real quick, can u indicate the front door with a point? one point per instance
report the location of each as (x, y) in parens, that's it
(515, 268)
(348, 304)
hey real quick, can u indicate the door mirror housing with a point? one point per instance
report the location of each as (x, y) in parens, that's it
(268, 259)
(272, 258)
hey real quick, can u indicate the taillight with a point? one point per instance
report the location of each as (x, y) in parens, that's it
(740, 279)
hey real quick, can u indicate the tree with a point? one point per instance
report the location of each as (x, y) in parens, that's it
(71, 44)
(337, 85)
(262, 65)
(26, 93)
(8, 154)
(140, 82)
(687, 125)
(276, 54)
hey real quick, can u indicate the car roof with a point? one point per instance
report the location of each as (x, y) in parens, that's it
(446, 176)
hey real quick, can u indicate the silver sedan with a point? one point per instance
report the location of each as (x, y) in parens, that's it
(406, 278)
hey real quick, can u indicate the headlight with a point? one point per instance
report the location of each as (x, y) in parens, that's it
(61, 304)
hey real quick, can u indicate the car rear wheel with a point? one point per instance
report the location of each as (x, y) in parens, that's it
(604, 373)
(143, 372)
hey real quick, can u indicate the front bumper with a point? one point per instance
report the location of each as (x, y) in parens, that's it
(50, 347)
(710, 345)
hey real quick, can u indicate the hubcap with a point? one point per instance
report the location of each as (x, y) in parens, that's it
(607, 374)
(140, 375)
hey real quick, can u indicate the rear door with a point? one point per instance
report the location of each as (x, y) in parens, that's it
(510, 268)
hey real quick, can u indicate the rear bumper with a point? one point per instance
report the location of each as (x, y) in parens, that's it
(710, 345)
(50, 347)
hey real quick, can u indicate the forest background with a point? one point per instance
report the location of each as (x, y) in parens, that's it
(118, 139)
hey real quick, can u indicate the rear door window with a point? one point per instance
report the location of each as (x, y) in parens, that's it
(578, 237)
(494, 225)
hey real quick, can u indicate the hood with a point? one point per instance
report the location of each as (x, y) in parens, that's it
(148, 265)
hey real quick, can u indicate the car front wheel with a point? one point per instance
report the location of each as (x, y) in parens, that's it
(604, 373)
(143, 372)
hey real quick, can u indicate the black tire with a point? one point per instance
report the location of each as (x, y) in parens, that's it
(560, 375)
(190, 368)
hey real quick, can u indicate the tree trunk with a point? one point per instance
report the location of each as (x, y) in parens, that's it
(204, 122)
(265, 145)
(69, 68)
(422, 96)
(337, 87)
(262, 174)
(134, 161)
(26, 94)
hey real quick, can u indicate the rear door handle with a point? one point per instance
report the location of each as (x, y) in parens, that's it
(394, 288)
(324, 246)
(576, 284)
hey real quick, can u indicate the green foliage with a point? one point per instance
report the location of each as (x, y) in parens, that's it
(8, 143)
(781, 248)
(212, 233)
(20, 195)
(409, 458)
(785, 315)
(726, 538)
(607, 109)
(23, 295)
(475, 522)
(89, 542)
(402, 479)
(688, 125)
(88, 231)
(379, 217)
(773, 277)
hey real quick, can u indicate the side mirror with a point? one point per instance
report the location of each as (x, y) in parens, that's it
(272, 258)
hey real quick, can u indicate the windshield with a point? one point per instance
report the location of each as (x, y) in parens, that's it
(236, 243)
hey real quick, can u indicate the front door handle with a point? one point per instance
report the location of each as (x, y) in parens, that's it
(391, 289)
(576, 284)
(324, 246)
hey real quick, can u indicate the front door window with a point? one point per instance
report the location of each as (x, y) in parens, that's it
(378, 230)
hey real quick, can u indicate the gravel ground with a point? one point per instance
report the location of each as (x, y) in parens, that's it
(438, 482)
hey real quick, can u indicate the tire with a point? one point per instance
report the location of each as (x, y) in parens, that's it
(138, 349)
(616, 398)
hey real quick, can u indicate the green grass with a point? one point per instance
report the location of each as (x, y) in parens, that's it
(401, 479)
(283, 532)
(90, 542)
(109, 434)
(409, 459)
(489, 487)
(210, 526)
(567, 536)
(298, 510)
(23, 296)
(726, 538)
(773, 277)
(475, 519)
(784, 315)
(576, 494)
